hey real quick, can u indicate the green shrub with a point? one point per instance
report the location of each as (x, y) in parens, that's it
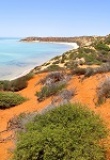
(89, 55)
(54, 67)
(89, 72)
(63, 58)
(68, 132)
(79, 71)
(46, 64)
(16, 84)
(53, 77)
(101, 46)
(21, 83)
(5, 85)
(50, 90)
(56, 62)
(72, 55)
(86, 50)
(10, 99)
(107, 39)
(29, 76)
(90, 58)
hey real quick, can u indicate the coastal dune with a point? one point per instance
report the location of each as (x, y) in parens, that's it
(85, 94)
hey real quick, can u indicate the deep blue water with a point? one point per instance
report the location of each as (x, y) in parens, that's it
(17, 57)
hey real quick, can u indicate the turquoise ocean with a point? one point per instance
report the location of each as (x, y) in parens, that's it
(18, 58)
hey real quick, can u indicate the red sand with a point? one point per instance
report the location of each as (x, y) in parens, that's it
(86, 91)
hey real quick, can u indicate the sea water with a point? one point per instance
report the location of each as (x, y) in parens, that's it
(18, 58)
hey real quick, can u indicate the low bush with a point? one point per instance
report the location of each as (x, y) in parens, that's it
(5, 85)
(86, 50)
(68, 132)
(102, 69)
(89, 55)
(29, 76)
(21, 83)
(63, 58)
(89, 71)
(10, 99)
(56, 58)
(101, 46)
(102, 58)
(53, 77)
(67, 94)
(63, 97)
(46, 64)
(53, 67)
(107, 39)
(79, 71)
(103, 91)
(17, 84)
(56, 62)
(72, 55)
(50, 90)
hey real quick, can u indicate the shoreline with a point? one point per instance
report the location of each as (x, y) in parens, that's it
(27, 71)
(73, 44)
(22, 74)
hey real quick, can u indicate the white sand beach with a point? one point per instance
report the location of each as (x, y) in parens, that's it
(74, 45)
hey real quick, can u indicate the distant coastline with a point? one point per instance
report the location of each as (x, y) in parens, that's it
(82, 40)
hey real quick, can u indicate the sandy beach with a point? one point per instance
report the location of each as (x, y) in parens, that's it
(74, 45)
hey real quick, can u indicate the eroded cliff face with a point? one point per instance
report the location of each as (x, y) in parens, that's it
(81, 41)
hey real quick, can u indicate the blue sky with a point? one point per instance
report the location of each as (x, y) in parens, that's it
(22, 18)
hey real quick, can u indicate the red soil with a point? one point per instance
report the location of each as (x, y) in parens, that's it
(86, 94)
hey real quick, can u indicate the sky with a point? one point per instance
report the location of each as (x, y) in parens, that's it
(22, 18)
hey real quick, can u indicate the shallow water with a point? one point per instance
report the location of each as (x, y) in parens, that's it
(17, 58)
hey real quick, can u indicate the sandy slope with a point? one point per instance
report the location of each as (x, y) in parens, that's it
(85, 94)
(29, 106)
